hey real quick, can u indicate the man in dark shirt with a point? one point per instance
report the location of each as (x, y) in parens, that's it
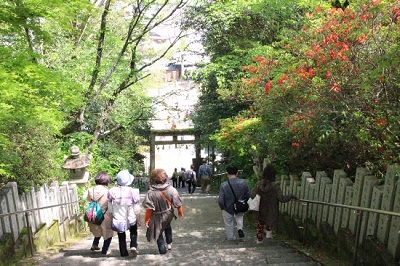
(226, 201)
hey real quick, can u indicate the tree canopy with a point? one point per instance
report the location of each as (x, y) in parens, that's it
(73, 72)
(322, 93)
(310, 85)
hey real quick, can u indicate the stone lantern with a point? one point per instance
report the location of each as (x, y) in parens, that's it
(77, 163)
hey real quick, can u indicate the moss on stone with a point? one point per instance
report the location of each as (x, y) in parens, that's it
(373, 252)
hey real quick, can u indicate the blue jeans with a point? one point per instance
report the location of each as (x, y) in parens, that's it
(160, 241)
(122, 240)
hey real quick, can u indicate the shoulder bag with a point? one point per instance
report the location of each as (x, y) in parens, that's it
(239, 205)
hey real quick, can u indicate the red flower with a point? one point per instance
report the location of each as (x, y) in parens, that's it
(376, 3)
(268, 87)
(328, 74)
(362, 38)
(295, 144)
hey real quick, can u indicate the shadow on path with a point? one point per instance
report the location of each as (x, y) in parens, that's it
(199, 239)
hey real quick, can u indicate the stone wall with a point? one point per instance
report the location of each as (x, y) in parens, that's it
(364, 190)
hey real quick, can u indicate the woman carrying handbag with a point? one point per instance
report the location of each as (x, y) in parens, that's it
(270, 195)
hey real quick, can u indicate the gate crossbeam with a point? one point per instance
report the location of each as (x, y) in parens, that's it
(174, 133)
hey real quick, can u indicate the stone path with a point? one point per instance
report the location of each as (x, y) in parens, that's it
(199, 239)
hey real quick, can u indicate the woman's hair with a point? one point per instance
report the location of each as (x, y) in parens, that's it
(102, 178)
(269, 173)
(158, 176)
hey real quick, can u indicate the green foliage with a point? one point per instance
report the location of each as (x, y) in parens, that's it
(323, 89)
(235, 32)
(33, 104)
(328, 98)
(47, 58)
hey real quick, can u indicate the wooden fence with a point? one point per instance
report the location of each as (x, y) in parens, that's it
(13, 206)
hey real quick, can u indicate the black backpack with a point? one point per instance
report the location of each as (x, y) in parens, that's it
(190, 177)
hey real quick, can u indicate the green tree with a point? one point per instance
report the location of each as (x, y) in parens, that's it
(34, 98)
(76, 71)
(235, 32)
(338, 98)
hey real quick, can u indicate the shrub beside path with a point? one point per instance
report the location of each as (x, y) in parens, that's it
(199, 239)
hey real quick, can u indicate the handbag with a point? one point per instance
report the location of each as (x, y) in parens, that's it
(254, 204)
(239, 205)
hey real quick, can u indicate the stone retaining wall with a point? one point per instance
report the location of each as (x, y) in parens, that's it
(331, 225)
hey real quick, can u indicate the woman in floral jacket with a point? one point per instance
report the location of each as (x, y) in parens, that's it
(160, 201)
(124, 205)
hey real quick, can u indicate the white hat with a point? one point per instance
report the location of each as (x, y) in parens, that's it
(124, 178)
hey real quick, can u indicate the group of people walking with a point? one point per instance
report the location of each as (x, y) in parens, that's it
(190, 178)
(270, 195)
(121, 206)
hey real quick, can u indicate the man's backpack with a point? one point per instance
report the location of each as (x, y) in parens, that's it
(93, 213)
(190, 176)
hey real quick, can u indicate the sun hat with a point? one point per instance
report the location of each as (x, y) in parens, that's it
(124, 178)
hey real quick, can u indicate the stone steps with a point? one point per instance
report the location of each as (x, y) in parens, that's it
(199, 239)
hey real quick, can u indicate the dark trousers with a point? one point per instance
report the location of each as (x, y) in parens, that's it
(175, 182)
(122, 240)
(160, 241)
(106, 244)
(191, 187)
(181, 182)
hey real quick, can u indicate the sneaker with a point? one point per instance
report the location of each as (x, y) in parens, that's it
(169, 246)
(134, 251)
(107, 253)
(259, 241)
(240, 233)
(93, 248)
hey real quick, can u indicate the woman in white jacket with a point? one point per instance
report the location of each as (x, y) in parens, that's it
(124, 205)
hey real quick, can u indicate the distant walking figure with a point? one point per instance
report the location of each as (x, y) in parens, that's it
(175, 178)
(205, 177)
(191, 179)
(181, 177)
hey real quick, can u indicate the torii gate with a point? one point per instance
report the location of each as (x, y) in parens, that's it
(175, 140)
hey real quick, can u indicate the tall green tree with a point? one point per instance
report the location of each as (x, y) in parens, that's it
(235, 32)
(333, 89)
(76, 72)
(34, 98)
